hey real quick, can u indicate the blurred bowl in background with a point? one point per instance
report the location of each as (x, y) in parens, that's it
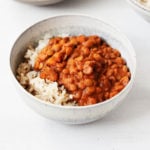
(40, 2)
(141, 9)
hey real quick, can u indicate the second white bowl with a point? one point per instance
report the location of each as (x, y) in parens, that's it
(40, 2)
(143, 11)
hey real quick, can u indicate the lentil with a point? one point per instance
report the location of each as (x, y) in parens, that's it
(87, 66)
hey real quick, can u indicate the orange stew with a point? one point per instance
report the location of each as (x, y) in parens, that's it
(87, 66)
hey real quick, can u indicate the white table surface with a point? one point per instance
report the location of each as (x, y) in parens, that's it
(126, 128)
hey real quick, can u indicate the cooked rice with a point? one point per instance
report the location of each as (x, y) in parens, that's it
(31, 81)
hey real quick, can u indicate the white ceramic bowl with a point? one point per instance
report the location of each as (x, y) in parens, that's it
(140, 9)
(40, 2)
(73, 25)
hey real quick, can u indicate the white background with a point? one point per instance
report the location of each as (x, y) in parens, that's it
(126, 128)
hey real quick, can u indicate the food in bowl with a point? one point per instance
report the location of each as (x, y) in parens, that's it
(73, 70)
(145, 3)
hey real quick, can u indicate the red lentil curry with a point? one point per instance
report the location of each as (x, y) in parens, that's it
(87, 66)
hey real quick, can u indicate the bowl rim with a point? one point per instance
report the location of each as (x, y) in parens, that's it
(139, 6)
(73, 107)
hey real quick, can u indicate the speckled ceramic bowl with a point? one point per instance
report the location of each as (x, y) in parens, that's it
(142, 10)
(40, 2)
(72, 25)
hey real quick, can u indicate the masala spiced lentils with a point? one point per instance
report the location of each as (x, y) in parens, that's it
(88, 69)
